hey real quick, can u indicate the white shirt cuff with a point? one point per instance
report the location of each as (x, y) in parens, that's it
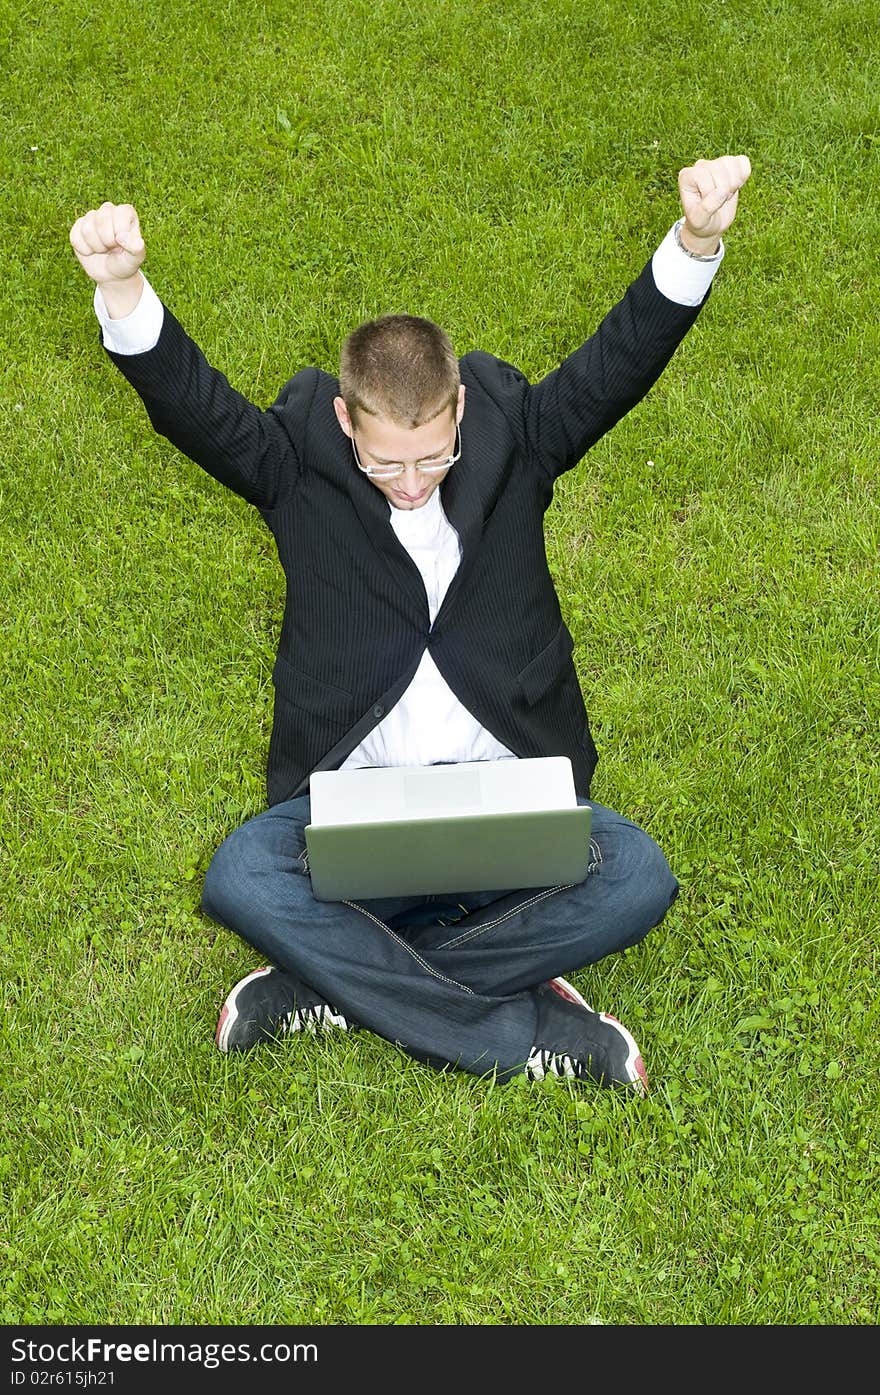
(679, 277)
(138, 332)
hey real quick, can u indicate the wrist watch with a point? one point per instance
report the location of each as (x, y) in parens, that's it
(697, 256)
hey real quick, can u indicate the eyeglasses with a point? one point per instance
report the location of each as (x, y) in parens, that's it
(436, 465)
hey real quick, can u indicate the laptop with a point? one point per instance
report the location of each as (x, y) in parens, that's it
(471, 826)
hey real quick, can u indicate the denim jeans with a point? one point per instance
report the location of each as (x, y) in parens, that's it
(452, 978)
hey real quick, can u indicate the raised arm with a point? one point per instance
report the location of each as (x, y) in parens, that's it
(568, 411)
(192, 404)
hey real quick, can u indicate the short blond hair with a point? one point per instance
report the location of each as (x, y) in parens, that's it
(401, 367)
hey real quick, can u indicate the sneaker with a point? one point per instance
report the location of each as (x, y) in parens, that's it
(268, 1004)
(575, 1042)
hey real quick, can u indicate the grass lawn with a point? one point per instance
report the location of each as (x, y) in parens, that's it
(505, 168)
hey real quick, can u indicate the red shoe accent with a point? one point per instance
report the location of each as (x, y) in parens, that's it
(221, 1023)
(565, 990)
(638, 1063)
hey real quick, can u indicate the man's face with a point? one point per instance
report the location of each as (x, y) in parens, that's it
(383, 445)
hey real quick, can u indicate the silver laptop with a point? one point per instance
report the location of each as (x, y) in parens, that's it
(419, 830)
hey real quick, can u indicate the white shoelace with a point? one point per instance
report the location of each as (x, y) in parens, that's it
(542, 1062)
(313, 1019)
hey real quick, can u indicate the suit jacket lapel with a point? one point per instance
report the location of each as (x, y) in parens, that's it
(464, 509)
(373, 510)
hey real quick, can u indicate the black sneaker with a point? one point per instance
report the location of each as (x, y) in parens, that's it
(576, 1042)
(268, 1004)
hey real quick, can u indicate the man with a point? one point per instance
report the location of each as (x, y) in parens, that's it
(421, 625)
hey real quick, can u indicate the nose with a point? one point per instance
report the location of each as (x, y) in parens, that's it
(411, 479)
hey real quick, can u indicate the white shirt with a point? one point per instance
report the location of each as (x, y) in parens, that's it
(429, 723)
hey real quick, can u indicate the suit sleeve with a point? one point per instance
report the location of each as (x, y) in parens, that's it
(569, 410)
(256, 453)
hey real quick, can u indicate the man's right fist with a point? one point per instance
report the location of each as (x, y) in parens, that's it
(108, 243)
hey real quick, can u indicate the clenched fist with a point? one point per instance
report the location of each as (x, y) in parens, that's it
(709, 192)
(109, 247)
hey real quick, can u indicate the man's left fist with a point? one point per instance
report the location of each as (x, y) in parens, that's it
(709, 192)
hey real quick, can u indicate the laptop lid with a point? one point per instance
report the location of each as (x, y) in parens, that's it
(472, 826)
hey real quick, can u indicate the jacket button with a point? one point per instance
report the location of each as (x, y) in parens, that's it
(378, 710)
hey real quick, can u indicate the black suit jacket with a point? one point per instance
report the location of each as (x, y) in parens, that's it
(355, 619)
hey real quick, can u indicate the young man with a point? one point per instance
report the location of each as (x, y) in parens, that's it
(421, 624)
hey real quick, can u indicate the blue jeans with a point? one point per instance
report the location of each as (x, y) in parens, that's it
(449, 978)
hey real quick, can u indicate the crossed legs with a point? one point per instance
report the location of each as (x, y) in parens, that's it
(453, 979)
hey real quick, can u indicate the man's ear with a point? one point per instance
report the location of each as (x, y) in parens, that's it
(459, 410)
(342, 416)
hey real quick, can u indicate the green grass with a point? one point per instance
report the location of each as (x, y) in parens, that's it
(504, 168)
